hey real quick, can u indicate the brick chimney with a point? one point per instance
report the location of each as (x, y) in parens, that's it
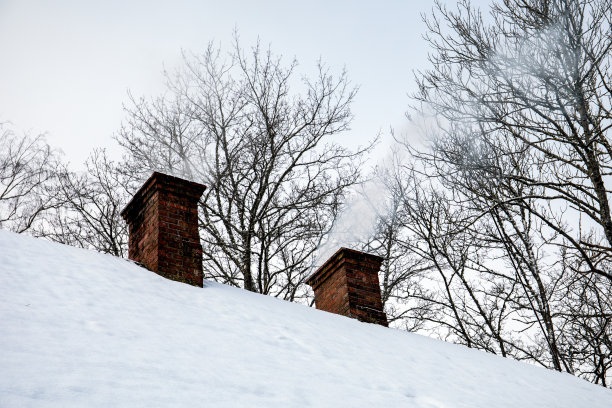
(347, 284)
(163, 224)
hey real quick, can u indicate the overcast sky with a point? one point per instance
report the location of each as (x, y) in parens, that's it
(66, 66)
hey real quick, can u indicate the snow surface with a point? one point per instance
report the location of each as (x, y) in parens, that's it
(83, 329)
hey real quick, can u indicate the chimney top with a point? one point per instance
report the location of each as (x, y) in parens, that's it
(347, 284)
(161, 180)
(320, 273)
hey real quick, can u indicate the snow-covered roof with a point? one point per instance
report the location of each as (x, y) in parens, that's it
(83, 329)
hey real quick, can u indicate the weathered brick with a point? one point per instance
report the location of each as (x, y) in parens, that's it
(347, 284)
(163, 226)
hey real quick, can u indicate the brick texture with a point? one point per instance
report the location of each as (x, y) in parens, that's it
(163, 226)
(347, 284)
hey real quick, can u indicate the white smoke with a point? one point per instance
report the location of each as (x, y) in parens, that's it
(357, 220)
(371, 199)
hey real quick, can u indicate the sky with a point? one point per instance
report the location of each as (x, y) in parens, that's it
(66, 66)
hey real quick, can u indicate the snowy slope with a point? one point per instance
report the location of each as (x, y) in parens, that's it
(83, 329)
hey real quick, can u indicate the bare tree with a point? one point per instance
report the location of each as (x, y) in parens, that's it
(518, 222)
(92, 200)
(275, 179)
(27, 172)
(535, 82)
(586, 316)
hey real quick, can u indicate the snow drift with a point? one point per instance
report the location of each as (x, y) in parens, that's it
(79, 328)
